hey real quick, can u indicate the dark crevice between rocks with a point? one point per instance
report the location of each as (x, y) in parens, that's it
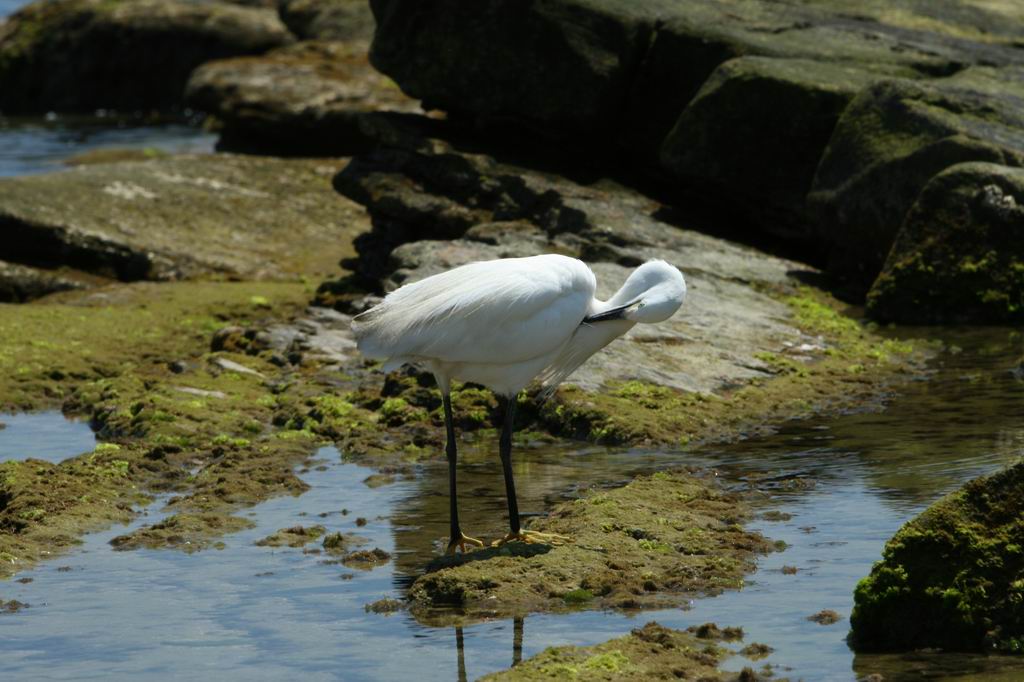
(48, 249)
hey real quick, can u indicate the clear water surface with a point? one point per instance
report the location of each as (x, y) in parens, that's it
(43, 435)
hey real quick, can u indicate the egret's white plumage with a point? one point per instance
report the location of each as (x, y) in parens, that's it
(503, 323)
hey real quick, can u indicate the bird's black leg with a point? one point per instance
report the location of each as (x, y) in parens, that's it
(457, 539)
(508, 408)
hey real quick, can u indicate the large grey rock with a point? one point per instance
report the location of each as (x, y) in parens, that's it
(82, 55)
(894, 137)
(183, 216)
(959, 256)
(306, 98)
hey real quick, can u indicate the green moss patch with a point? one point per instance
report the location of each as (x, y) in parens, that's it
(187, 532)
(652, 652)
(296, 536)
(135, 360)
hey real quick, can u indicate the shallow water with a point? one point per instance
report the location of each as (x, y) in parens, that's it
(40, 145)
(43, 435)
(9, 6)
(257, 613)
(30, 145)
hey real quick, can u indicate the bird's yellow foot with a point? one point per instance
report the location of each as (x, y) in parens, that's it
(532, 537)
(461, 541)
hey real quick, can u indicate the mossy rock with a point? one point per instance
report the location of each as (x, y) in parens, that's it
(304, 99)
(960, 254)
(294, 536)
(896, 136)
(187, 532)
(952, 578)
(769, 158)
(83, 55)
(328, 19)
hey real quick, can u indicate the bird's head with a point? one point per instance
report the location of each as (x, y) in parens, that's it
(656, 290)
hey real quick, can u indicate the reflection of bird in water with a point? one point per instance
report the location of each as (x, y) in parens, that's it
(503, 323)
(517, 647)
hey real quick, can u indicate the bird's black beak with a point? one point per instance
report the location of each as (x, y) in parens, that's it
(618, 313)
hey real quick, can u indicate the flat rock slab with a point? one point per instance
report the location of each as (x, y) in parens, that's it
(82, 55)
(304, 98)
(182, 217)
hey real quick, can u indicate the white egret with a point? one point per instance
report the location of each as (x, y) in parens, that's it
(503, 323)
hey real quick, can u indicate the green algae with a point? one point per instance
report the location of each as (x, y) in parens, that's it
(951, 578)
(113, 364)
(187, 532)
(49, 348)
(650, 652)
(295, 536)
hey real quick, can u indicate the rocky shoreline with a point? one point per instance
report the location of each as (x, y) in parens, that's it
(191, 306)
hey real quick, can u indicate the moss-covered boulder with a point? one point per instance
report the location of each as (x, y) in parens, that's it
(959, 256)
(82, 55)
(328, 19)
(768, 159)
(892, 139)
(181, 217)
(304, 99)
(953, 577)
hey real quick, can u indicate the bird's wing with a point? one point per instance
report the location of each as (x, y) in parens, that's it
(501, 311)
(586, 340)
